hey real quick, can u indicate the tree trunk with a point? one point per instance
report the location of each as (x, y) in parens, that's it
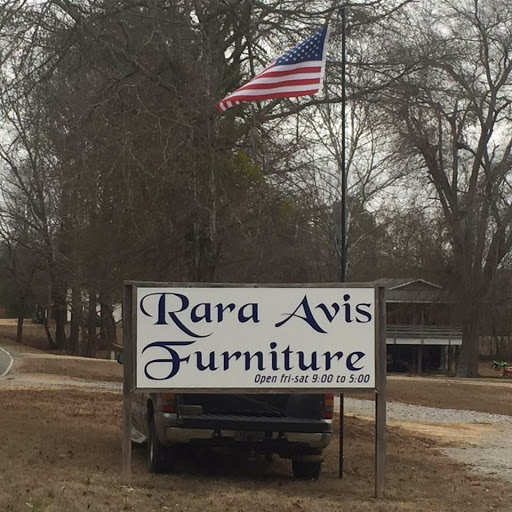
(108, 324)
(467, 365)
(76, 316)
(60, 316)
(92, 339)
(21, 318)
(49, 336)
(48, 320)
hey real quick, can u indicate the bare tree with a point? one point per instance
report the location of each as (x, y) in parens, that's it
(127, 171)
(453, 116)
(21, 262)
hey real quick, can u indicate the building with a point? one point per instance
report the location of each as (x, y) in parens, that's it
(422, 332)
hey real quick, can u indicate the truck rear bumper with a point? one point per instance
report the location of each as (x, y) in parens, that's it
(276, 434)
(264, 441)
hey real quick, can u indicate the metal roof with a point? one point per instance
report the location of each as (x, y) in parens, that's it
(411, 290)
(393, 283)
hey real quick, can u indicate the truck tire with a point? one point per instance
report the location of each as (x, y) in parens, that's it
(306, 470)
(159, 460)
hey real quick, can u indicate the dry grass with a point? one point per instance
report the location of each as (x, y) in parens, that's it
(61, 452)
(77, 368)
(33, 334)
(453, 395)
(484, 396)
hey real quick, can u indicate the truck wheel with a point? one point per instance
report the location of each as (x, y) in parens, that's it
(306, 470)
(158, 453)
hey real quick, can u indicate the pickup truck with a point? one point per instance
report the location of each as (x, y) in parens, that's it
(294, 426)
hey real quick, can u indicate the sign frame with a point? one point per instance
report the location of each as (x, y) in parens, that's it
(379, 389)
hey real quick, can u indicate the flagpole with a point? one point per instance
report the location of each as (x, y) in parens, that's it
(343, 230)
(343, 248)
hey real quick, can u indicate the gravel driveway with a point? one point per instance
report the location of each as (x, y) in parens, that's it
(12, 378)
(490, 452)
(421, 414)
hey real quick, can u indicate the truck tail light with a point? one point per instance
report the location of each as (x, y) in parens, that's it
(328, 406)
(168, 402)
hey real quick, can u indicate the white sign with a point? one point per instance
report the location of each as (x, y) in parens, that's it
(255, 338)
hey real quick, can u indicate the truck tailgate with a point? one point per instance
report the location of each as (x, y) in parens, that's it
(276, 406)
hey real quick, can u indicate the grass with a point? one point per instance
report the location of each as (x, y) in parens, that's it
(62, 450)
(491, 396)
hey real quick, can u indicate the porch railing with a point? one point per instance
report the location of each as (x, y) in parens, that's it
(423, 331)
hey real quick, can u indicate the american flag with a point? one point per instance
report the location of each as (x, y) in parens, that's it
(299, 72)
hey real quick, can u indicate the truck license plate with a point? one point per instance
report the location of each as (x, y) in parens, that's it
(249, 437)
